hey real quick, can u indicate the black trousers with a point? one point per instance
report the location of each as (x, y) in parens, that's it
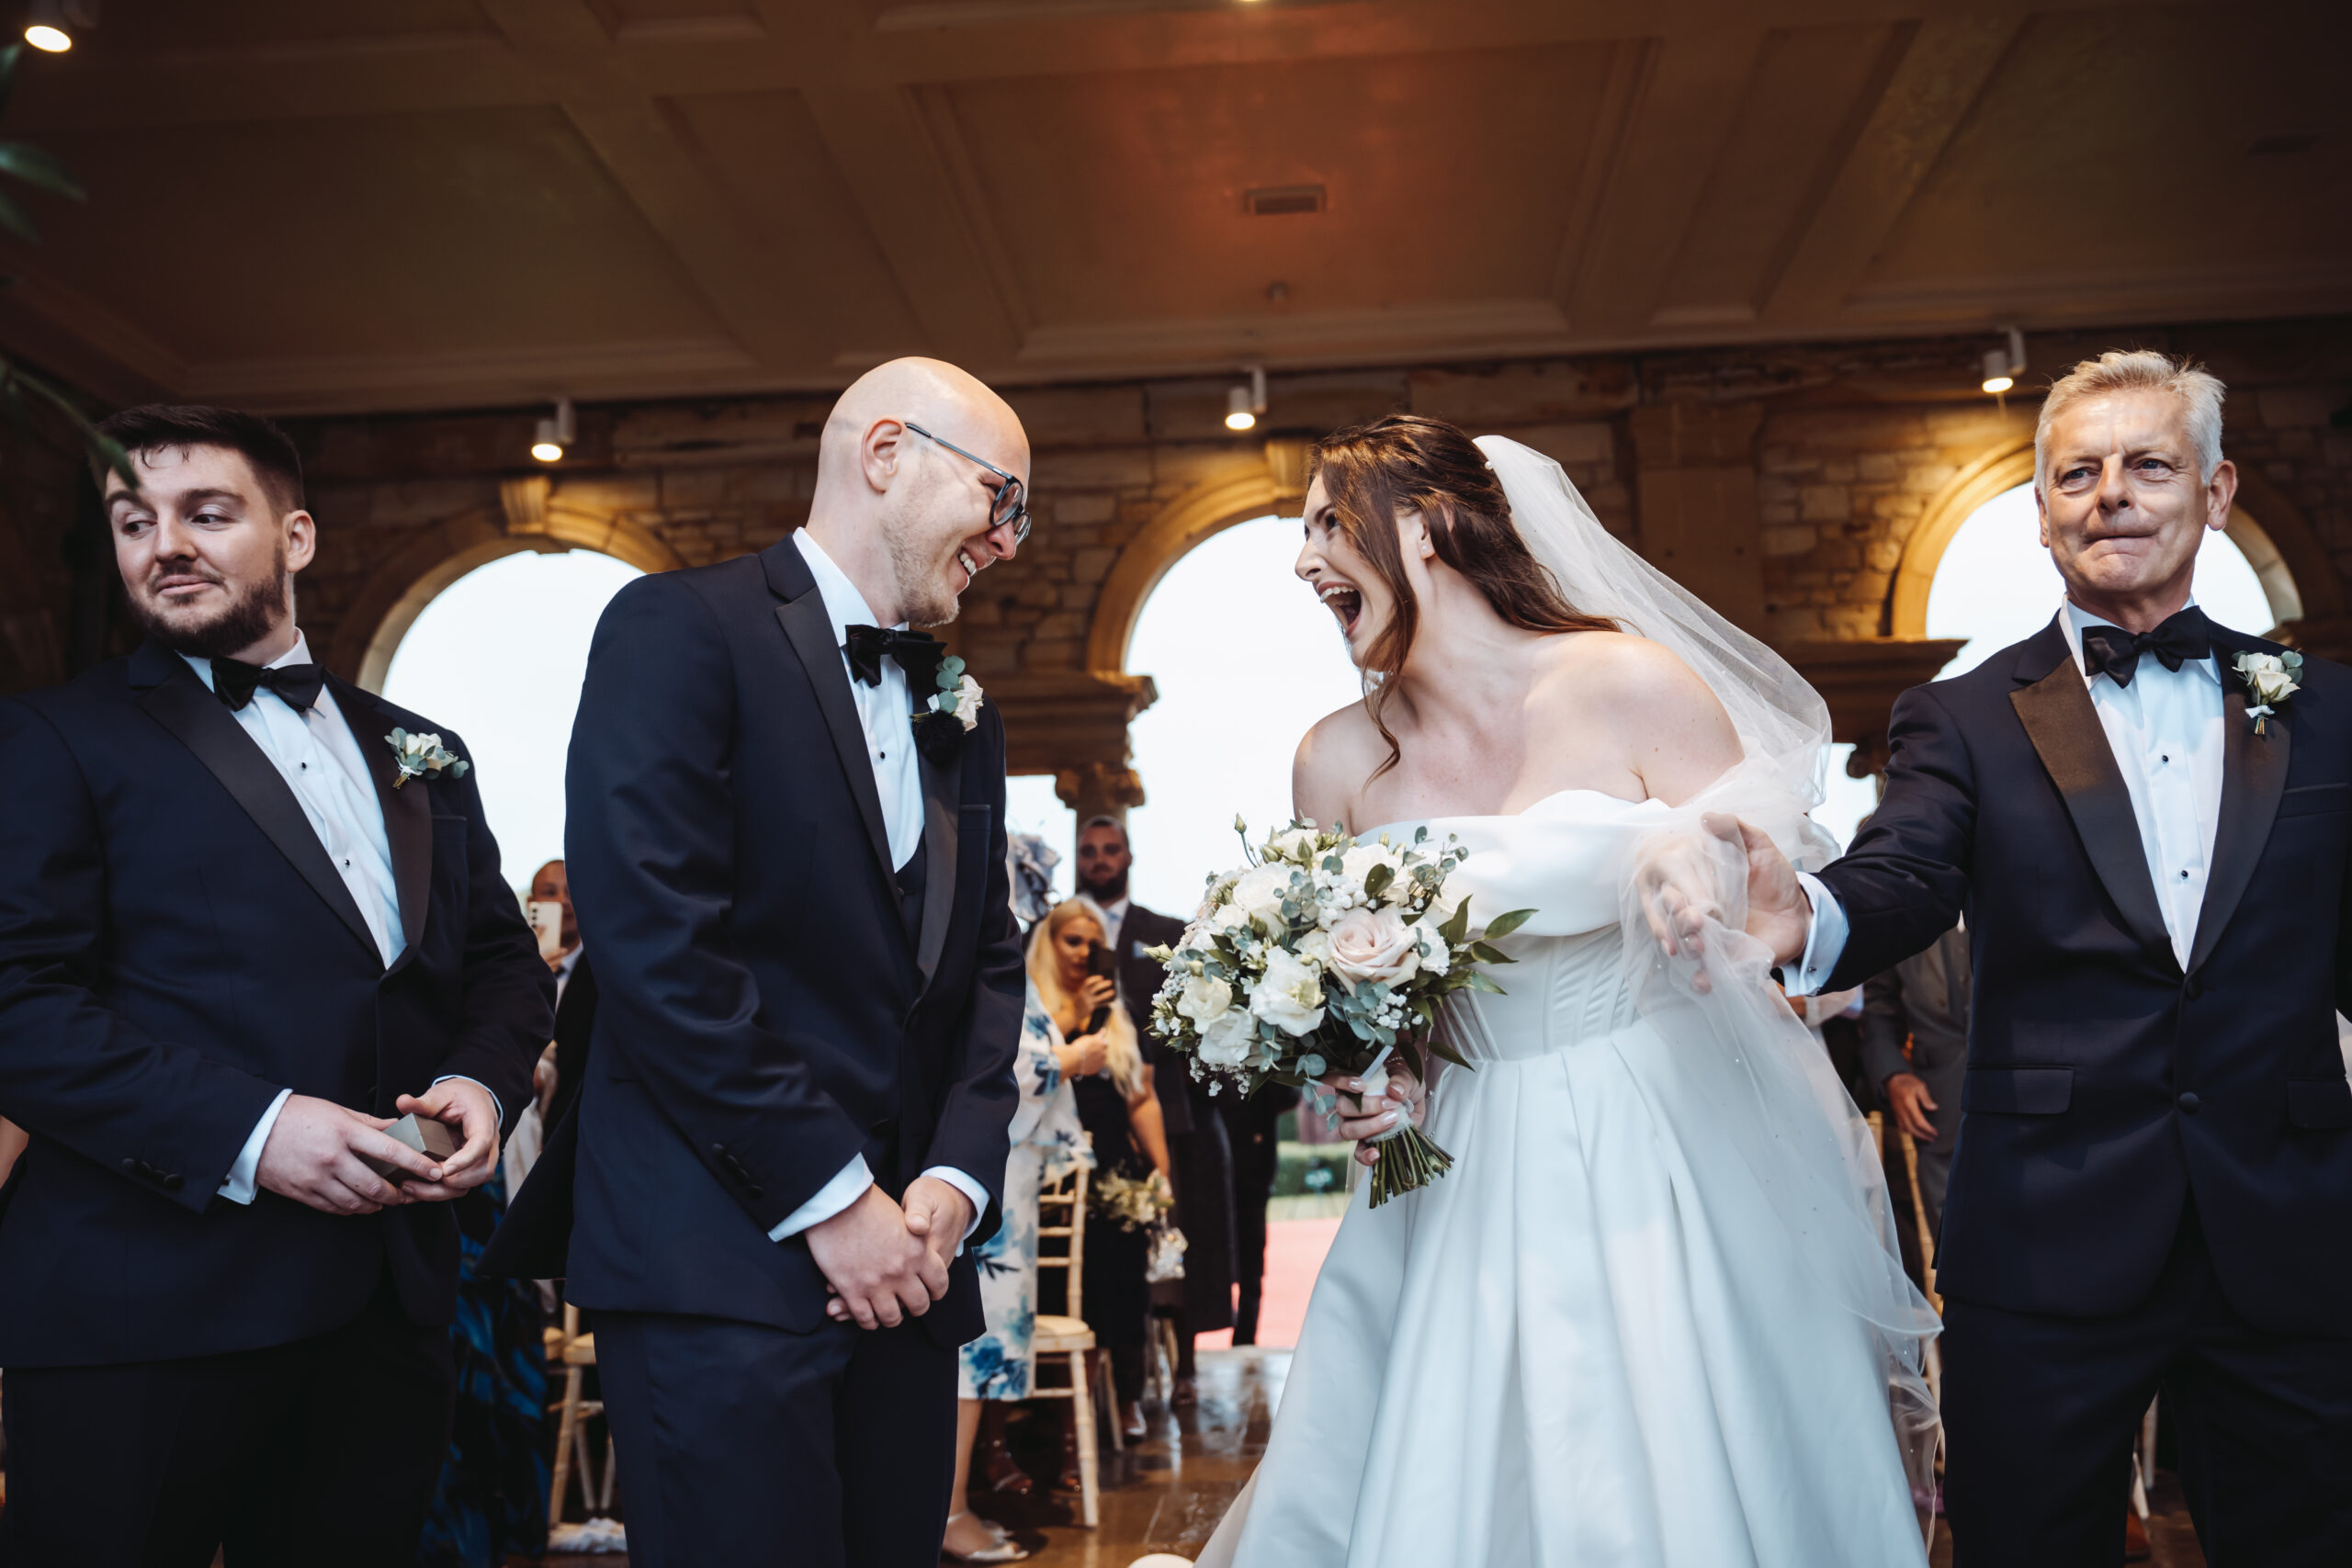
(756, 1448)
(325, 1450)
(1250, 1126)
(2040, 1413)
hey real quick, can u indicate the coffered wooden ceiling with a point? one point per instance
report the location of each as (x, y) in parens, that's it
(380, 204)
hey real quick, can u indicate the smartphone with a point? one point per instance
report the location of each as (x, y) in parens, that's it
(545, 915)
(1101, 960)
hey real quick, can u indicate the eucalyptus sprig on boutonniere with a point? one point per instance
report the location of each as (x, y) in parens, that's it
(952, 712)
(2271, 678)
(423, 756)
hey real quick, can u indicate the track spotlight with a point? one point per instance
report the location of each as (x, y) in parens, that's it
(1244, 404)
(555, 433)
(2002, 366)
(51, 25)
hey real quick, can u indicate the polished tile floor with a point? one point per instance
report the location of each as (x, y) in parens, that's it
(1167, 1493)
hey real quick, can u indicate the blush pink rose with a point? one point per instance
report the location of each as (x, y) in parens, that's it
(1373, 947)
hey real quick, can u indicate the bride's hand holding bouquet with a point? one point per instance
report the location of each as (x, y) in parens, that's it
(1320, 958)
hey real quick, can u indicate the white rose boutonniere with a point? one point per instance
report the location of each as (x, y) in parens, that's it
(2272, 679)
(422, 757)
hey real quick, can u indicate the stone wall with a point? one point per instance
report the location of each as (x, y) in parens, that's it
(1785, 483)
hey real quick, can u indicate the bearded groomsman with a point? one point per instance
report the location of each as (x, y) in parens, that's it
(239, 935)
(2147, 819)
(1200, 1150)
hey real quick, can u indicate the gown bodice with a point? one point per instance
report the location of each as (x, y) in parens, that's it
(1565, 857)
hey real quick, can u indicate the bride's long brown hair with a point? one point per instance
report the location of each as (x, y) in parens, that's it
(1408, 463)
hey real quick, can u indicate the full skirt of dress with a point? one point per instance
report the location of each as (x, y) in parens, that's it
(1583, 1346)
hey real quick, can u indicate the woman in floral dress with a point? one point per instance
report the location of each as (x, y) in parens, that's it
(1047, 1140)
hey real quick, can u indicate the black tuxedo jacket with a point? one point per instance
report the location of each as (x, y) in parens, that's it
(1140, 981)
(761, 1015)
(2107, 1087)
(575, 1017)
(175, 947)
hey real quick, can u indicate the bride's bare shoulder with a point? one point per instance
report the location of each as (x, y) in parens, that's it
(1616, 671)
(1335, 757)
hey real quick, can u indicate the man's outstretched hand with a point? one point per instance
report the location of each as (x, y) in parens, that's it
(1678, 893)
(881, 1271)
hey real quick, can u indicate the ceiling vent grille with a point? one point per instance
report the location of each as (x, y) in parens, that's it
(1283, 201)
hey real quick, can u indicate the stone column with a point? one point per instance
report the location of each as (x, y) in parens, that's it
(1073, 725)
(1699, 519)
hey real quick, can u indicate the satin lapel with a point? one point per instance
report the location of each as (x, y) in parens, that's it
(2254, 775)
(943, 799)
(2065, 729)
(407, 811)
(811, 634)
(181, 704)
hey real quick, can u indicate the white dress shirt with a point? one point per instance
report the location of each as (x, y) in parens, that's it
(1114, 916)
(2167, 731)
(886, 713)
(320, 759)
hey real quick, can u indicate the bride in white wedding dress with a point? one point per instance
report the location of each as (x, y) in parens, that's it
(1654, 1315)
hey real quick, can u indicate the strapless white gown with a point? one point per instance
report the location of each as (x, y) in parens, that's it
(1594, 1341)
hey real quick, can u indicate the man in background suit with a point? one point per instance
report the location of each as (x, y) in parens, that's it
(236, 939)
(1199, 1151)
(575, 993)
(1924, 1000)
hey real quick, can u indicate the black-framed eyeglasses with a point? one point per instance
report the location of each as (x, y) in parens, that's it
(1010, 507)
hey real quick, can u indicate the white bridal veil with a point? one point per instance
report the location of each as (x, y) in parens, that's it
(1771, 1096)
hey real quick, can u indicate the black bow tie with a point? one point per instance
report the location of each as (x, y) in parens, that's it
(918, 654)
(2181, 638)
(234, 681)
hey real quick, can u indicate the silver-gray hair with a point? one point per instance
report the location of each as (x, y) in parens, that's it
(2134, 370)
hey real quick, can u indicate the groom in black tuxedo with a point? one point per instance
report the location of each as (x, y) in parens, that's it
(235, 941)
(809, 1000)
(2152, 1185)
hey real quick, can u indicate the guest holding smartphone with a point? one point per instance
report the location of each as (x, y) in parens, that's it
(1121, 1115)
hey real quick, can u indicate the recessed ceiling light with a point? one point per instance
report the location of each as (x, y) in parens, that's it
(48, 27)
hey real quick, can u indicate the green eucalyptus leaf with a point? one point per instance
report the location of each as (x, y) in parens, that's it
(1376, 880)
(1439, 1049)
(1503, 925)
(1477, 981)
(37, 166)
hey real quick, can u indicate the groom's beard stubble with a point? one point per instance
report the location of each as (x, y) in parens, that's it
(245, 620)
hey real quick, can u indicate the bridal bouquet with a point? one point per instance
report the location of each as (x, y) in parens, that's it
(1326, 952)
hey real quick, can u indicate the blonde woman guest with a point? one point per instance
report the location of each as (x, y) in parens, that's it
(1121, 1115)
(1047, 1140)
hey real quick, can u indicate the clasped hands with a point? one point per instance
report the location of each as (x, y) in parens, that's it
(312, 1153)
(887, 1262)
(1678, 882)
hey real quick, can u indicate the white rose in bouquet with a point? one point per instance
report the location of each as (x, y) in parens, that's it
(1204, 1001)
(1356, 863)
(1294, 845)
(1374, 947)
(1259, 895)
(1227, 1042)
(1229, 917)
(1314, 947)
(1290, 996)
